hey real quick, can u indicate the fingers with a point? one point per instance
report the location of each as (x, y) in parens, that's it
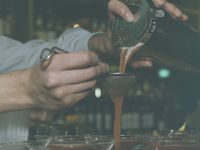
(72, 100)
(63, 91)
(55, 79)
(172, 9)
(175, 11)
(159, 3)
(73, 60)
(67, 79)
(120, 9)
(68, 100)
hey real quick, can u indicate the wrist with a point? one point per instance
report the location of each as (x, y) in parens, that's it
(13, 91)
(27, 83)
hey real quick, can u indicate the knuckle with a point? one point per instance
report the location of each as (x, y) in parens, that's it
(160, 3)
(112, 4)
(68, 102)
(94, 83)
(87, 57)
(90, 58)
(178, 13)
(50, 80)
(57, 93)
(93, 71)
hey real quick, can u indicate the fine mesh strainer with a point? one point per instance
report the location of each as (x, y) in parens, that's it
(117, 84)
(127, 34)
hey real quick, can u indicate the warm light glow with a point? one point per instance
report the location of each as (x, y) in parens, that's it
(76, 25)
(98, 92)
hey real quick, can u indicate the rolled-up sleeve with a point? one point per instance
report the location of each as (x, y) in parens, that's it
(15, 55)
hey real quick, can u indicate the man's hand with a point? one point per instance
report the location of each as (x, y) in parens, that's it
(172, 9)
(101, 43)
(117, 7)
(67, 79)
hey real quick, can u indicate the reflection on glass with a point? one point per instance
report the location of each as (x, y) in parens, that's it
(73, 143)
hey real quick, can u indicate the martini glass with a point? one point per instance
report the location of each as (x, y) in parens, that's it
(117, 84)
(13, 146)
(161, 141)
(138, 142)
(89, 142)
(188, 140)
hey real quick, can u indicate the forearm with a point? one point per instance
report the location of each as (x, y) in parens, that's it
(17, 56)
(13, 91)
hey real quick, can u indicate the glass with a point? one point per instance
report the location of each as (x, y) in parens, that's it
(72, 143)
(189, 140)
(117, 84)
(14, 126)
(138, 142)
(14, 146)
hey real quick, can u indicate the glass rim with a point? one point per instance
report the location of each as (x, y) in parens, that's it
(75, 139)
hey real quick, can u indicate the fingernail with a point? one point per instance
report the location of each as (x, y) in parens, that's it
(129, 17)
(140, 44)
(185, 17)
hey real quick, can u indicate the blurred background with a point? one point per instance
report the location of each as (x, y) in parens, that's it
(162, 100)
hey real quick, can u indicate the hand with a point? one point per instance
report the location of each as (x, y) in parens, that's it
(67, 79)
(101, 43)
(117, 7)
(172, 9)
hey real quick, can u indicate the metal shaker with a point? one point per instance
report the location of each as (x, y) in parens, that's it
(168, 42)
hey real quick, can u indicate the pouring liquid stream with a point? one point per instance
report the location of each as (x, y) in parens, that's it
(118, 100)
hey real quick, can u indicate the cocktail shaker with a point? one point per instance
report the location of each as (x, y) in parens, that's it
(167, 41)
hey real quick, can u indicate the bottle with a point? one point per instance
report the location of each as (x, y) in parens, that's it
(169, 42)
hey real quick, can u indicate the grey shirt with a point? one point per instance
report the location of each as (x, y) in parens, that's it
(15, 55)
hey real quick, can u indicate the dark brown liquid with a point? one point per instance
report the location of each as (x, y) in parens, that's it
(118, 103)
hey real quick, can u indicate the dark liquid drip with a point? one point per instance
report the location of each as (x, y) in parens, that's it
(118, 102)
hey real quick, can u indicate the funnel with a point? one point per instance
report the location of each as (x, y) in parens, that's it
(117, 84)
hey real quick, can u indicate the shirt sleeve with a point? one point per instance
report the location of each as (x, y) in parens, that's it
(15, 55)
